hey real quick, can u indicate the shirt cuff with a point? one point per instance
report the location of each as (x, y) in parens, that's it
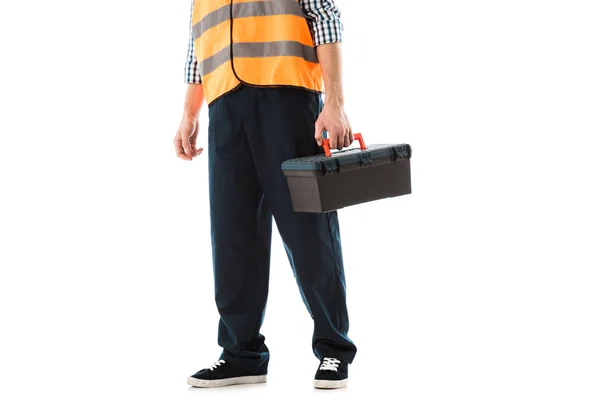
(192, 73)
(327, 31)
(193, 81)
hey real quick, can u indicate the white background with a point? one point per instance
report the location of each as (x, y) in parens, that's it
(482, 284)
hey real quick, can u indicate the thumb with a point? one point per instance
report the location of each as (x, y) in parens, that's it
(185, 141)
(319, 127)
(195, 149)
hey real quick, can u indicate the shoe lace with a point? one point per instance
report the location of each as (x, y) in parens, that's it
(216, 365)
(330, 364)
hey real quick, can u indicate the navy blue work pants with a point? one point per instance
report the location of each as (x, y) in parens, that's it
(251, 132)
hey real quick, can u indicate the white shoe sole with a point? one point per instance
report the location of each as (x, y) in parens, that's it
(324, 384)
(240, 380)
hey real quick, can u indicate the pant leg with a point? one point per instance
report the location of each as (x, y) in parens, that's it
(281, 128)
(241, 236)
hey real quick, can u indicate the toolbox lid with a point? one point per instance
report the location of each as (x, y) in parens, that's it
(346, 157)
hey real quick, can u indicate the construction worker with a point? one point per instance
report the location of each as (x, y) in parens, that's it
(261, 66)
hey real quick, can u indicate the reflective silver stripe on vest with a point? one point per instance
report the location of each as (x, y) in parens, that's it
(210, 20)
(275, 49)
(213, 62)
(259, 49)
(249, 9)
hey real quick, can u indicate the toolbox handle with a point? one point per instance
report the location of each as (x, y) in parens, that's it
(357, 136)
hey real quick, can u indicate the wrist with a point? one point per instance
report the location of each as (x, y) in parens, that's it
(190, 115)
(334, 101)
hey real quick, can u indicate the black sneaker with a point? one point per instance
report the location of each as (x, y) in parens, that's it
(332, 374)
(223, 373)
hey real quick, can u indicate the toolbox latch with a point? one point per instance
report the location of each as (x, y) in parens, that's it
(366, 158)
(330, 165)
(401, 152)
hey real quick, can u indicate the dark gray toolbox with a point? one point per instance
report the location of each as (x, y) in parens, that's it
(332, 181)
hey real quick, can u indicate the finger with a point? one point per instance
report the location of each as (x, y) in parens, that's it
(176, 142)
(179, 148)
(346, 140)
(181, 154)
(319, 132)
(193, 137)
(332, 140)
(185, 140)
(350, 135)
(339, 140)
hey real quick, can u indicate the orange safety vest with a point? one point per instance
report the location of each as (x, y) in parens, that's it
(259, 43)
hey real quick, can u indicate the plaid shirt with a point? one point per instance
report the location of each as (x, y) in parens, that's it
(323, 19)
